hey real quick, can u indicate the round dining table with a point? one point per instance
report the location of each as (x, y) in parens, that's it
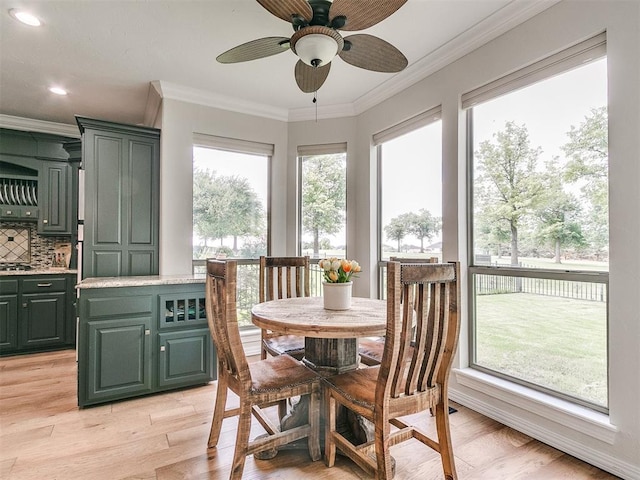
(331, 336)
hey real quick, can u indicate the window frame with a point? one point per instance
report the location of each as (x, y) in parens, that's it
(590, 50)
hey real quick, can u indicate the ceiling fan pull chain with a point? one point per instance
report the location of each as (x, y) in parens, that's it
(315, 100)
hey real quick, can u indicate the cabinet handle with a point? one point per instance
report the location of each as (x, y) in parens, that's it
(44, 285)
(162, 348)
(24, 305)
(28, 214)
(9, 212)
(147, 332)
(45, 221)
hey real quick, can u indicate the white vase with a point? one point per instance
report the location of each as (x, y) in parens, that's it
(337, 296)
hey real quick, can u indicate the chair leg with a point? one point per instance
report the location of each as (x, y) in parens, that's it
(329, 428)
(314, 422)
(384, 470)
(444, 439)
(242, 441)
(218, 410)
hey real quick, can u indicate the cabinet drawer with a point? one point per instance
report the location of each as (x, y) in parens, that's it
(44, 284)
(8, 286)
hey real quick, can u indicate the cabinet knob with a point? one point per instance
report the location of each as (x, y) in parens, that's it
(147, 332)
(9, 212)
(45, 221)
(24, 305)
(162, 348)
(28, 214)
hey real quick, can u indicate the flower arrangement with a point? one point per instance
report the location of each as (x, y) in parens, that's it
(336, 270)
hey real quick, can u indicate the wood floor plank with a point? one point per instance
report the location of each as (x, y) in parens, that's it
(44, 435)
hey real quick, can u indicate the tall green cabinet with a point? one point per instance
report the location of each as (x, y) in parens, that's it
(121, 166)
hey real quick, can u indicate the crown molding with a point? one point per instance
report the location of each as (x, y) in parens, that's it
(322, 113)
(209, 99)
(41, 126)
(508, 17)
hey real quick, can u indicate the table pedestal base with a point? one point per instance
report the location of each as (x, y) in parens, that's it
(331, 355)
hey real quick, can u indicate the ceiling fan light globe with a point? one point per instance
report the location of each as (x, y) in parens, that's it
(316, 49)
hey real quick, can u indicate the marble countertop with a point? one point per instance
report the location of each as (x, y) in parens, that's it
(111, 282)
(39, 271)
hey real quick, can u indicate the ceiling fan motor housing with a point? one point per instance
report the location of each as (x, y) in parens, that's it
(316, 45)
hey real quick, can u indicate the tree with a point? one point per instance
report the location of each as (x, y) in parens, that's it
(209, 206)
(424, 225)
(398, 228)
(588, 155)
(507, 186)
(225, 206)
(245, 214)
(323, 196)
(559, 215)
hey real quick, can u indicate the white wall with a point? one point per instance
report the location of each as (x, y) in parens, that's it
(612, 443)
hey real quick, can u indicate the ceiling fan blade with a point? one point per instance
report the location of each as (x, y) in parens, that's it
(284, 9)
(363, 14)
(310, 79)
(373, 53)
(260, 48)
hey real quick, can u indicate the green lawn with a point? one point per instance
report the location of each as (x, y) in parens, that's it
(558, 343)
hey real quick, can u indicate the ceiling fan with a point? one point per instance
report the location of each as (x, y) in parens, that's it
(316, 39)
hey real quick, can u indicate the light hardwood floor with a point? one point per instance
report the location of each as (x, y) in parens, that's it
(43, 435)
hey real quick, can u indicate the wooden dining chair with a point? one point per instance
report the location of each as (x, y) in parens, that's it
(408, 380)
(370, 348)
(282, 277)
(258, 384)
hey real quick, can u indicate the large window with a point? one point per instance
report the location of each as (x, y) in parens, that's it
(539, 228)
(410, 189)
(323, 205)
(230, 209)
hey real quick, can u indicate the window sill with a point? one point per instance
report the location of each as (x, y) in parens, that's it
(567, 414)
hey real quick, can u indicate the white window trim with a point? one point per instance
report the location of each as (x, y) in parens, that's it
(567, 414)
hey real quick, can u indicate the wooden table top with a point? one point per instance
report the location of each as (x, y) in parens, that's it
(307, 317)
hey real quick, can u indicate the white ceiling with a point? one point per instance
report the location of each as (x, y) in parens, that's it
(106, 53)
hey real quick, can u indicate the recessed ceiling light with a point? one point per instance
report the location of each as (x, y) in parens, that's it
(58, 90)
(25, 17)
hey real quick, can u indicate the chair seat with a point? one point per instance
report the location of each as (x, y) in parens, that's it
(370, 350)
(275, 373)
(292, 345)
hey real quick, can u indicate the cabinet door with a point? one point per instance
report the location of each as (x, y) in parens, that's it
(121, 199)
(8, 322)
(119, 363)
(42, 320)
(54, 200)
(185, 358)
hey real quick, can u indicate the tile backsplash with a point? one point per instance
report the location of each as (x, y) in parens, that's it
(14, 245)
(17, 239)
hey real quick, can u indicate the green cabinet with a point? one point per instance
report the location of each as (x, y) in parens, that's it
(55, 199)
(8, 314)
(129, 345)
(35, 172)
(121, 199)
(36, 313)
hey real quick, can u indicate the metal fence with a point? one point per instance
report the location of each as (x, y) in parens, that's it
(495, 284)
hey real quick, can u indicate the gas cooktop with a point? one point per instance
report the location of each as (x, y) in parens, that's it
(11, 266)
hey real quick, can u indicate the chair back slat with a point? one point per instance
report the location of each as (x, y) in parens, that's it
(280, 277)
(422, 327)
(221, 282)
